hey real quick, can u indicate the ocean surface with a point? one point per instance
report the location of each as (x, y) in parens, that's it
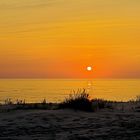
(35, 90)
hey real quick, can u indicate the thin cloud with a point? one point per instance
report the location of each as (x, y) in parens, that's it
(27, 4)
(33, 29)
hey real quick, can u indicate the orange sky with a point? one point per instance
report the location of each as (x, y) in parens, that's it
(60, 38)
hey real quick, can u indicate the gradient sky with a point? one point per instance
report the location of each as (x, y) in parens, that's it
(60, 38)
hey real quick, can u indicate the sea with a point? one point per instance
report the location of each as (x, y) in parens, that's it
(57, 90)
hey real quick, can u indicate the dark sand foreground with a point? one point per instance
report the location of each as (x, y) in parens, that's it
(69, 125)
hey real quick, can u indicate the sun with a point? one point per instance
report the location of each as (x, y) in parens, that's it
(89, 68)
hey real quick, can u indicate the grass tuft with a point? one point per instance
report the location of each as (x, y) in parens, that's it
(80, 101)
(77, 101)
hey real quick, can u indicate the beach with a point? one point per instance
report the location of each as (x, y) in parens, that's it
(65, 124)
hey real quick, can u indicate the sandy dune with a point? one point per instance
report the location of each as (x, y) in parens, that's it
(69, 125)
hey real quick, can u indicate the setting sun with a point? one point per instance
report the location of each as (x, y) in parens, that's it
(89, 68)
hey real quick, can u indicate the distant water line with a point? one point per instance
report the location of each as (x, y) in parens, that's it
(55, 90)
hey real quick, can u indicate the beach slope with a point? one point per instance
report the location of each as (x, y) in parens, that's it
(69, 125)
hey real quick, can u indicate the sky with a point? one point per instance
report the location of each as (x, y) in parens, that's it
(60, 38)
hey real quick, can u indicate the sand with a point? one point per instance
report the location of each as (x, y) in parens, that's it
(69, 125)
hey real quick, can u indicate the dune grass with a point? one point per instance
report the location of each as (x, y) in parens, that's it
(79, 100)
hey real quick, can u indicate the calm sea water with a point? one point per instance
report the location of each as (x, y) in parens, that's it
(56, 90)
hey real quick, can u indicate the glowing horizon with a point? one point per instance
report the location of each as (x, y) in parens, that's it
(59, 39)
